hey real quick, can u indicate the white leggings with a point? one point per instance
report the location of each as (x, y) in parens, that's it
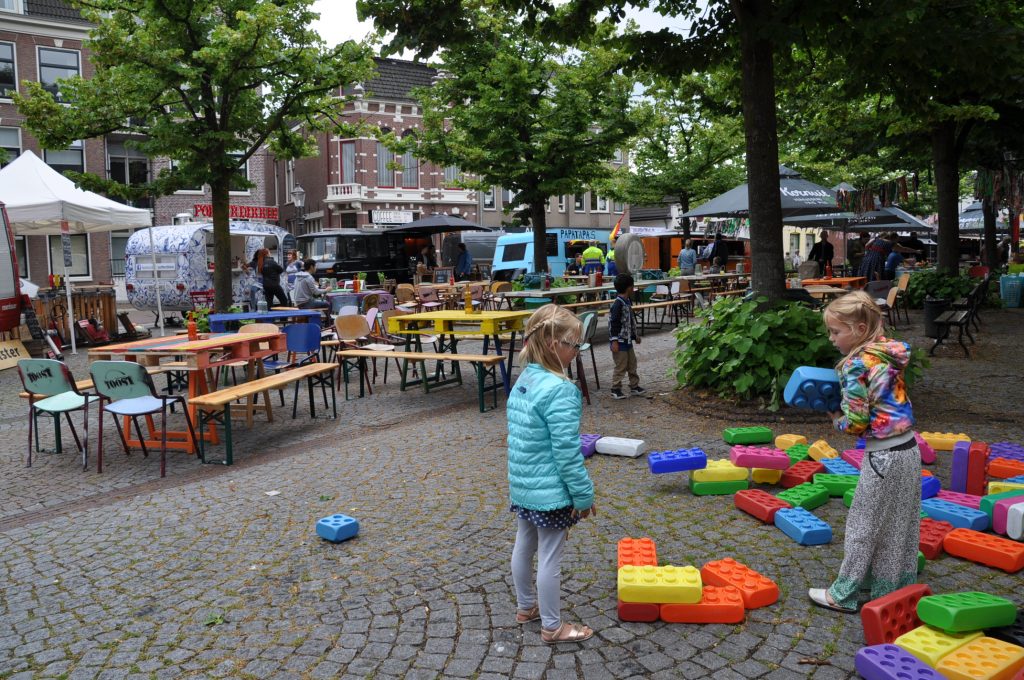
(548, 545)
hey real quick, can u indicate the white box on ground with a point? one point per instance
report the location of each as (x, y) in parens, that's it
(619, 446)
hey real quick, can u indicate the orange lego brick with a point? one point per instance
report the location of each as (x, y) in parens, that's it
(639, 552)
(718, 604)
(757, 590)
(641, 612)
(983, 659)
(926, 473)
(992, 551)
(1005, 467)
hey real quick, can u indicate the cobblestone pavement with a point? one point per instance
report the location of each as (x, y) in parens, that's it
(205, 574)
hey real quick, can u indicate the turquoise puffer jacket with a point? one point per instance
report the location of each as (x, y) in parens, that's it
(545, 467)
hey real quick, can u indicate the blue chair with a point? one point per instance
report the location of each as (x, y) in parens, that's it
(303, 343)
(129, 392)
(52, 390)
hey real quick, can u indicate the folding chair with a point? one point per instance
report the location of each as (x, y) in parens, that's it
(303, 341)
(52, 390)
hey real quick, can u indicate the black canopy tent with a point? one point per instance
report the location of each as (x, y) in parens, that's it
(799, 197)
(437, 224)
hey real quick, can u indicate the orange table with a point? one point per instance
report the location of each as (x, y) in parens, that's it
(215, 349)
(856, 282)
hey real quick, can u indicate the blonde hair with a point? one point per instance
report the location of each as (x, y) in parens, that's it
(857, 308)
(549, 325)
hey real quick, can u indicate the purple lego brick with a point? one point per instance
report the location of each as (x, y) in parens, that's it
(587, 444)
(889, 662)
(927, 452)
(853, 456)
(964, 499)
(930, 486)
(958, 479)
(1006, 450)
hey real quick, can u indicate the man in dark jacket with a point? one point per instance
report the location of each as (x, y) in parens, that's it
(822, 252)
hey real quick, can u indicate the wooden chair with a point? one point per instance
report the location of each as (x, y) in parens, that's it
(354, 333)
(131, 330)
(253, 370)
(428, 298)
(371, 301)
(405, 297)
(495, 297)
(888, 306)
(901, 295)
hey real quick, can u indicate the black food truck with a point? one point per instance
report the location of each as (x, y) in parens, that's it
(343, 253)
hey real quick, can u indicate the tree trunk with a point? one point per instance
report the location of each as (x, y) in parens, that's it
(988, 247)
(760, 126)
(539, 221)
(223, 283)
(947, 188)
(684, 207)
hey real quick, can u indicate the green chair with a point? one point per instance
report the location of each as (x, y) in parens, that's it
(52, 390)
(129, 392)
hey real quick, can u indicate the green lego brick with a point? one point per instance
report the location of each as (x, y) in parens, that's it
(920, 561)
(848, 497)
(988, 503)
(837, 485)
(807, 496)
(797, 453)
(718, 488)
(962, 612)
(747, 435)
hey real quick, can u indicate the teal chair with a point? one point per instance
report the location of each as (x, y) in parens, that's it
(128, 391)
(52, 390)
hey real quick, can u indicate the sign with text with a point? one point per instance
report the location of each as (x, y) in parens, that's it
(65, 243)
(238, 212)
(10, 352)
(391, 216)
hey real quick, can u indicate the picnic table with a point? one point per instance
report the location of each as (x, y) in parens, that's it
(826, 292)
(345, 298)
(219, 322)
(856, 282)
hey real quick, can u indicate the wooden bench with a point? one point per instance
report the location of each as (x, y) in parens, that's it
(589, 304)
(485, 365)
(961, 319)
(216, 406)
(685, 304)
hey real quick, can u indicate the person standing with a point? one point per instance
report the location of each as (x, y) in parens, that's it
(621, 335)
(719, 254)
(687, 259)
(855, 251)
(293, 267)
(464, 264)
(268, 268)
(593, 259)
(822, 252)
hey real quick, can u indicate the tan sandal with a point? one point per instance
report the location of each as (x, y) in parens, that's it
(567, 632)
(527, 615)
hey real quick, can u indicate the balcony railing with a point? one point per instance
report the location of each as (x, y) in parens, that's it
(346, 193)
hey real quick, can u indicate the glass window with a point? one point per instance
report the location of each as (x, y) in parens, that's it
(385, 175)
(598, 203)
(71, 158)
(356, 246)
(127, 166)
(10, 141)
(513, 252)
(239, 181)
(506, 199)
(11, 6)
(166, 265)
(561, 203)
(55, 65)
(8, 77)
(617, 156)
(19, 250)
(452, 175)
(619, 207)
(79, 255)
(289, 180)
(489, 199)
(579, 202)
(323, 249)
(410, 171)
(348, 162)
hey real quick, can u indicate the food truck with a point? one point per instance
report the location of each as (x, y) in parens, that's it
(513, 253)
(10, 284)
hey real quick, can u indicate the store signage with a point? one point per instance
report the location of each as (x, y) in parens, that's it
(391, 216)
(238, 212)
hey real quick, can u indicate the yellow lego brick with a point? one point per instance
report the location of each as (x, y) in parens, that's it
(784, 441)
(765, 476)
(943, 441)
(1000, 487)
(660, 585)
(931, 644)
(983, 659)
(718, 471)
(821, 449)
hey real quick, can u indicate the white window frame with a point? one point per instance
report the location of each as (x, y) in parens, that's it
(383, 171)
(60, 265)
(561, 203)
(80, 145)
(618, 207)
(579, 203)
(39, 61)
(618, 156)
(14, 58)
(452, 176)
(23, 261)
(289, 180)
(342, 145)
(489, 200)
(598, 203)
(17, 7)
(18, 130)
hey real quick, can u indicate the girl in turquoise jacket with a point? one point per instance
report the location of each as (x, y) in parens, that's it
(549, 487)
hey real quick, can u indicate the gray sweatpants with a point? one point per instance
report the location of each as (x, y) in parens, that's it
(548, 545)
(882, 528)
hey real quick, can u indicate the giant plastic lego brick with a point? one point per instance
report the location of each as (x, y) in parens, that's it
(800, 473)
(803, 527)
(933, 532)
(798, 453)
(638, 552)
(1004, 468)
(718, 604)
(747, 435)
(726, 488)
(1005, 485)
(784, 441)
(659, 585)
(848, 497)
(806, 496)
(977, 462)
(964, 499)
(762, 476)
(920, 561)
(821, 449)
(759, 504)
(720, 471)
(931, 644)
(988, 503)
(638, 612)
(1013, 633)
(927, 452)
(889, 662)
(1019, 479)
(1006, 450)
(838, 466)
(1015, 521)
(943, 441)
(337, 528)
(854, 457)
(679, 460)
(957, 515)
(983, 659)
(837, 485)
(861, 443)
(966, 611)
(813, 388)
(1001, 513)
(759, 457)
(958, 473)
(890, 616)
(927, 473)
(757, 590)
(619, 446)
(588, 444)
(930, 486)
(992, 551)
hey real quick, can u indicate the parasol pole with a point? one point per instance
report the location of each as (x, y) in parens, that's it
(66, 232)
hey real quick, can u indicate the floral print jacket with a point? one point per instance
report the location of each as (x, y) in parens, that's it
(875, 403)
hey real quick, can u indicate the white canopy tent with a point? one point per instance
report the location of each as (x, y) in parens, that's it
(41, 201)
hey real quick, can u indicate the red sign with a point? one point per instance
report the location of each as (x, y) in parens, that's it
(238, 212)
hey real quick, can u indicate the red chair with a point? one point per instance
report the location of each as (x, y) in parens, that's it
(978, 271)
(202, 298)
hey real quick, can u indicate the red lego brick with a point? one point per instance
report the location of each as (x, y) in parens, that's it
(889, 617)
(977, 460)
(718, 604)
(992, 551)
(933, 532)
(800, 473)
(760, 504)
(1003, 468)
(757, 590)
(637, 552)
(638, 611)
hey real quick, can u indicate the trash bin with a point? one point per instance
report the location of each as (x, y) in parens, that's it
(1010, 290)
(933, 309)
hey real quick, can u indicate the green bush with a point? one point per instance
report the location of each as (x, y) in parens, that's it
(937, 285)
(740, 351)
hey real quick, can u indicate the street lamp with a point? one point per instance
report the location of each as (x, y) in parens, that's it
(299, 199)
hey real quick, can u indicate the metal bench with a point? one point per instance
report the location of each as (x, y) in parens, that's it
(947, 320)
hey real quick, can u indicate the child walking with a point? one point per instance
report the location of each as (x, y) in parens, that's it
(549, 487)
(883, 526)
(622, 334)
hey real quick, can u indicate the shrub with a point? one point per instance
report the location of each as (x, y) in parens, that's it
(937, 284)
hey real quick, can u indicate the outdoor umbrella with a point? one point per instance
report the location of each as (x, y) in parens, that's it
(799, 197)
(438, 224)
(889, 218)
(972, 220)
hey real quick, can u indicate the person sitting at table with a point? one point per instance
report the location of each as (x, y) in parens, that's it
(892, 262)
(575, 266)
(307, 294)
(464, 264)
(270, 271)
(427, 257)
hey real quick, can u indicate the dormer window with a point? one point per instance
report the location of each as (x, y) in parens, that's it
(15, 6)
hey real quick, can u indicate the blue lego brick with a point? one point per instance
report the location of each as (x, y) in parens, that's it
(838, 466)
(1019, 479)
(959, 516)
(813, 388)
(930, 486)
(860, 443)
(803, 527)
(679, 460)
(337, 528)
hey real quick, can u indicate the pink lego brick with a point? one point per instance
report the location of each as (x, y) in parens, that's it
(853, 456)
(927, 452)
(759, 457)
(1001, 512)
(964, 499)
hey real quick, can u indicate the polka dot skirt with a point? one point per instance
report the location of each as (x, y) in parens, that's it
(560, 518)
